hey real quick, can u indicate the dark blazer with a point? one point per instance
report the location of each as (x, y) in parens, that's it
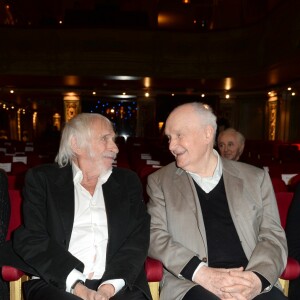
(4, 223)
(42, 242)
(4, 206)
(293, 240)
(293, 226)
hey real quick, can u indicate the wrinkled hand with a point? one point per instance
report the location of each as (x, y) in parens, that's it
(240, 290)
(105, 292)
(215, 280)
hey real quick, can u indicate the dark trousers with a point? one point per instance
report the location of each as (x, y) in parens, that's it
(38, 289)
(294, 289)
(4, 290)
(200, 293)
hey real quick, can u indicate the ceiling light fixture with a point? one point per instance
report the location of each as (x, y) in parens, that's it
(147, 82)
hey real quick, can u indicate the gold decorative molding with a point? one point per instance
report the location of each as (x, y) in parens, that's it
(72, 106)
(272, 110)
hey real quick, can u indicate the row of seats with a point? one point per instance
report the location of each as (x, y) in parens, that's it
(276, 155)
(267, 151)
(140, 156)
(280, 185)
(30, 159)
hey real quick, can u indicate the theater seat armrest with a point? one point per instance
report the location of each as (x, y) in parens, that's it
(292, 270)
(153, 269)
(11, 274)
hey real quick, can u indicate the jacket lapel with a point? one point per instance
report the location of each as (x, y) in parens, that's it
(115, 212)
(234, 188)
(64, 197)
(184, 184)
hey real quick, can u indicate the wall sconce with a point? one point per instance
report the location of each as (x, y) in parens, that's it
(160, 125)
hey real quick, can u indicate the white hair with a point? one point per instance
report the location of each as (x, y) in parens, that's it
(205, 112)
(239, 135)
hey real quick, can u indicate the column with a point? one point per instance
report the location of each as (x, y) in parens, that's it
(72, 106)
(284, 116)
(272, 108)
(146, 126)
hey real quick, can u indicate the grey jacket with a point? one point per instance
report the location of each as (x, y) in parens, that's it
(177, 228)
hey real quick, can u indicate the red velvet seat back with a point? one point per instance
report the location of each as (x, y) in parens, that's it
(284, 200)
(279, 185)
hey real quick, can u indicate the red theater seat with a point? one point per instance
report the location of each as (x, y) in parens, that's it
(279, 185)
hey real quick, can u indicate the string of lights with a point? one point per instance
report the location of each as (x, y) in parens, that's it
(122, 114)
(11, 107)
(115, 109)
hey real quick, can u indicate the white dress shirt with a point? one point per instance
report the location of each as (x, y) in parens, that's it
(89, 235)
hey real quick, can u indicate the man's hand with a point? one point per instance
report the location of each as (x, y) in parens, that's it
(241, 291)
(214, 280)
(105, 292)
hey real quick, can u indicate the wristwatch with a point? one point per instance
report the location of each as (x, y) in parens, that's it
(74, 284)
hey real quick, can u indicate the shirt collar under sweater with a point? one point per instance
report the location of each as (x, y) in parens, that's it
(209, 183)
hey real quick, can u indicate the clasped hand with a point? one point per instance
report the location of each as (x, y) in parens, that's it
(104, 292)
(229, 284)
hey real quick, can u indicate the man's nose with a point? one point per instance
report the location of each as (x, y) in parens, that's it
(113, 147)
(172, 144)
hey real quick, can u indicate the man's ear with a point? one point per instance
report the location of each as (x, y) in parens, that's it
(209, 133)
(74, 146)
(242, 149)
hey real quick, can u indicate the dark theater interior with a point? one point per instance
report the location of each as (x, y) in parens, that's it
(154, 54)
(133, 61)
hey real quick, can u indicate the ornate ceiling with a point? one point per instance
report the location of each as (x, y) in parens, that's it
(133, 46)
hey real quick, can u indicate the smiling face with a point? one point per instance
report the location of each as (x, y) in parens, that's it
(189, 141)
(229, 145)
